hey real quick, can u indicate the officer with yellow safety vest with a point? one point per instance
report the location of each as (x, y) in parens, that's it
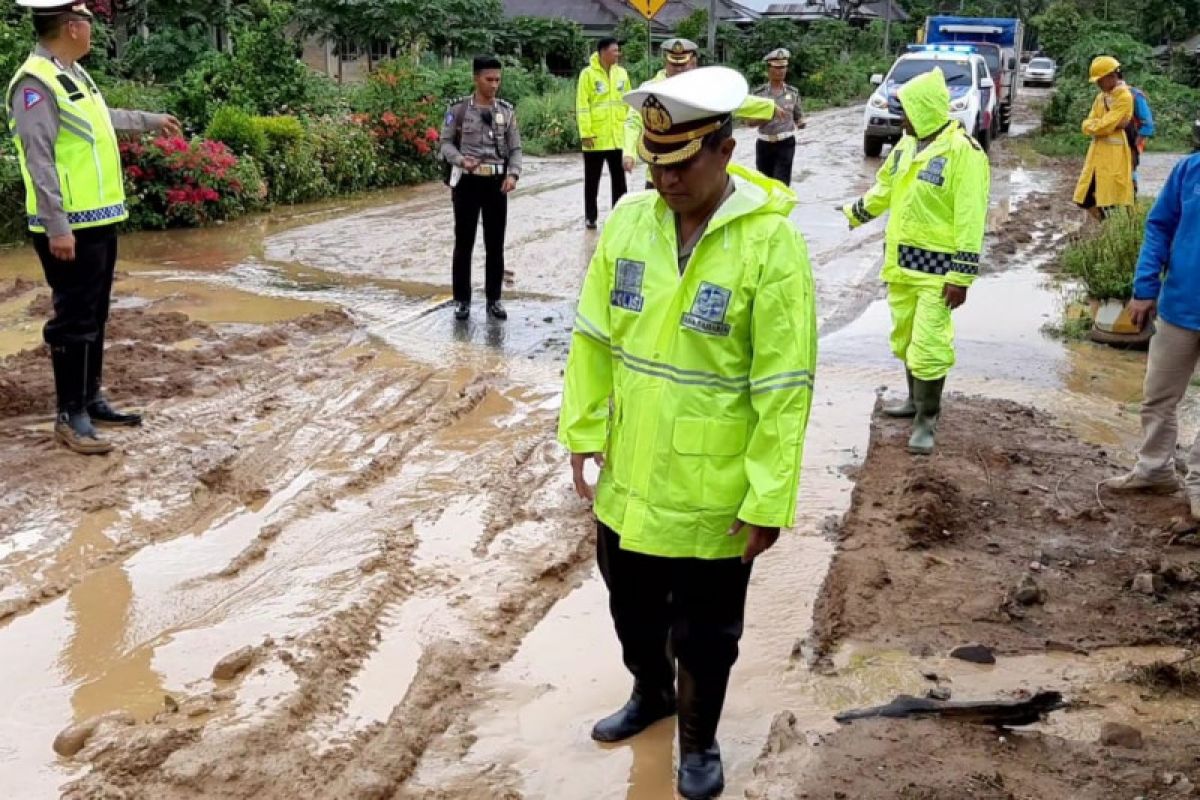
(935, 183)
(75, 195)
(600, 114)
(689, 382)
(681, 55)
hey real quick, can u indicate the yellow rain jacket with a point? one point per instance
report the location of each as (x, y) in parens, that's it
(938, 197)
(599, 109)
(695, 387)
(1109, 160)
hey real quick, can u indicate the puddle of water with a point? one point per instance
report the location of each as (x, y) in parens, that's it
(214, 303)
(18, 330)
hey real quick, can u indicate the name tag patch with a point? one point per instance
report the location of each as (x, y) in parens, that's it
(627, 289)
(709, 310)
(933, 171)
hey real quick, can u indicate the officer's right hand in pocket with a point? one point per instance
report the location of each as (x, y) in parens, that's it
(63, 247)
(578, 460)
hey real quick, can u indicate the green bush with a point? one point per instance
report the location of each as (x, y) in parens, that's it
(239, 130)
(279, 132)
(1103, 257)
(346, 153)
(12, 194)
(120, 93)
(548, 123)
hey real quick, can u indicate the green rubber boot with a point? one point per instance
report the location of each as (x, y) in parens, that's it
(906, 409)
(927, 396)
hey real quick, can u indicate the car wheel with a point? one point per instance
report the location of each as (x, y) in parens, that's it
(983, 136)
(1005, 119)
(872, 146)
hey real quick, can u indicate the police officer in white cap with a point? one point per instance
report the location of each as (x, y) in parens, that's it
(67, 146)
(689, 382)
(776, 147)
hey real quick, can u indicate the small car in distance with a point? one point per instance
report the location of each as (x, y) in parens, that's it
(1041, 71)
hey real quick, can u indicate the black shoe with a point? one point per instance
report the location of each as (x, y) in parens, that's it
(591, 224)
(701, 775)
(462, 311)
(496, 310)
(74, 429)
(104, 414)
(638, 714)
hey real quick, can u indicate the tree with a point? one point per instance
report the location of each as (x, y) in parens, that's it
(1058, 27)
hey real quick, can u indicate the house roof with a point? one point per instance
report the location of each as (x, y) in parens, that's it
(818, 9)
(597, 15)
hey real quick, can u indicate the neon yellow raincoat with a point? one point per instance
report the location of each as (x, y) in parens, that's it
(599, 109)
(695, 387)
(1109, 159)
(938, 199)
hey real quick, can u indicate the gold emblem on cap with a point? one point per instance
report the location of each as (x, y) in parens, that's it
(656, 116)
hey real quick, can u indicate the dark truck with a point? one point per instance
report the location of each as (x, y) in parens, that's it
(999, 40)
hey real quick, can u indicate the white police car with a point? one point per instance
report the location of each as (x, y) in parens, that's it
(972, 94)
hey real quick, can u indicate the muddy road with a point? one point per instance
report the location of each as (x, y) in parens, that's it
(363, 502)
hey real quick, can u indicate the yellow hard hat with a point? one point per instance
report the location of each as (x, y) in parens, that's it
(1101, 66)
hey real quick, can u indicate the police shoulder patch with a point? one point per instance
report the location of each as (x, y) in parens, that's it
(31, 97)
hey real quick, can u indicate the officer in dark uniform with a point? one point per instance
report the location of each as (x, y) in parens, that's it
(481, 142)
(66, 140)
(776, 147)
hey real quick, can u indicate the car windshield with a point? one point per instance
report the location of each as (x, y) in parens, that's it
(958, 73)
(1041, 63)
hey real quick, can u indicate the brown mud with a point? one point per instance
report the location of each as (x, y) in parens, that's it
(358, 509)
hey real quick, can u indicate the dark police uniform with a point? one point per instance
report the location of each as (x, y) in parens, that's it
(490, 135)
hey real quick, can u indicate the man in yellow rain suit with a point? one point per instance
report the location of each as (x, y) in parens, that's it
(680, 56)
(600, 114)
(1107, 178)
(689, 381)
(935, 183)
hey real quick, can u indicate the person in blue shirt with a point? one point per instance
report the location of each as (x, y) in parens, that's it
(1167, 283)
(1141, 127)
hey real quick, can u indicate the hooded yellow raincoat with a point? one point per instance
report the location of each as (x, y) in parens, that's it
(696, 387)
(600, 110)
(938, 199)
(1109, 159)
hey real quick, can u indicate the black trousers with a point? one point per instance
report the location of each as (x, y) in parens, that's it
(473, 197)
(685, 610)
(774, 159)
(81, 292)
(593, 168)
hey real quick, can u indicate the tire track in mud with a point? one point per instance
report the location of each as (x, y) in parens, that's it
(277, 757)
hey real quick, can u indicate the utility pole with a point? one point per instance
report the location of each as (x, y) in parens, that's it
(887, 29)
(712, 29)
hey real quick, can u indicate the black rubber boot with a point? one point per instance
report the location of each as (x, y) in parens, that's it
(643, 710)
(73, 427)
(928, 398)
(462, 311)
(906, 409)
(701, 775)
(496, 310)
(97, 406)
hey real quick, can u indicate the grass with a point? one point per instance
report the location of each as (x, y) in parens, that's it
(1103, 257)
(1170, 677)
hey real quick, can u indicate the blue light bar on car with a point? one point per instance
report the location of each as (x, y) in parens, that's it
(941, 48)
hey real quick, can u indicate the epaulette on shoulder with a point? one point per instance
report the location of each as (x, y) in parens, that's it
(500, 101)
(762, 88)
